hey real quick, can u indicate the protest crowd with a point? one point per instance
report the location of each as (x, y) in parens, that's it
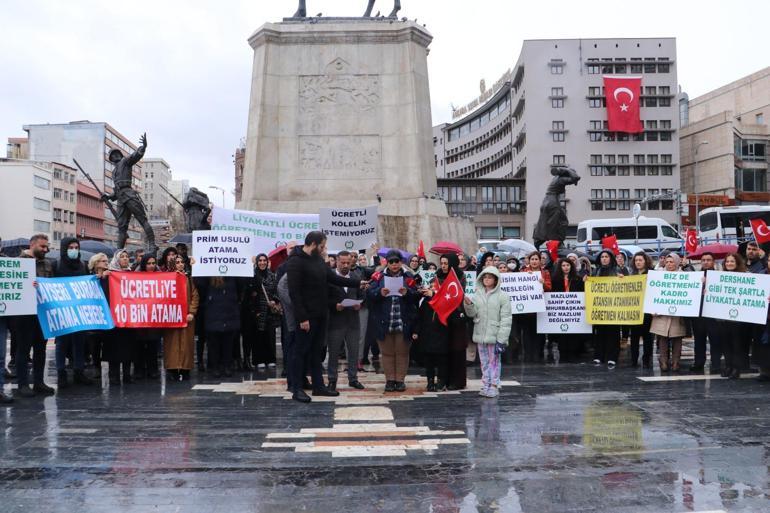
(387, 310)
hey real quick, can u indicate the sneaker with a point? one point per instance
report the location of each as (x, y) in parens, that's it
(484, 392)
(356, 384)
(301, 396)
(400, 386)
(610, 364)
(597, 362)
(325, 392)
(42, 388)
(494, 391)
(390, 386)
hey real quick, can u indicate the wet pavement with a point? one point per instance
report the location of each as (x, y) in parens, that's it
(560, 438)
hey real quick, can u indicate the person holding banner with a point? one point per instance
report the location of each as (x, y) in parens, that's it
(146, 341)
(641, 264)
(734, 335)
(118, 347)
(706, 328)
(607, 336)
(566, 279)
(458, 325)
(69, 264)
(98, 265)
(669, 329)
(490, 309)
(534, 344)
(760, 353)
(28, 328)
(220, 299)
(179, 343)
(259, 316)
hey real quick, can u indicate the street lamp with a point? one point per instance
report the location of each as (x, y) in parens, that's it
(223, 193)
(695, 186)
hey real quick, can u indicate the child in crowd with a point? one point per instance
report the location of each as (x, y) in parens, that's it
(490, 309)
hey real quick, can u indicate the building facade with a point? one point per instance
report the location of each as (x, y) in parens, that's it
(238, 160)
(26, 199)
(157, 175)
(17, 148)
(724, 144)
(550, 111)
(89, 143)
(64, 203)
(90, 213)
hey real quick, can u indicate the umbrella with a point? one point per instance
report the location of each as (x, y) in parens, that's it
(719, 250)
(516, 246)
(184, 238)
(443, 247)
(405, 255)
(95, 246)
(277, 257)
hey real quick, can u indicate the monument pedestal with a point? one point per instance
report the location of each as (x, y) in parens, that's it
(340, 117)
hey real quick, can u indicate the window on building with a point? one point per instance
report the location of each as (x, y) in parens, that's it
(595, 125)
(41, 226)
(607, 68)
(649, 65)
(558, 136)
(557, 103)
(751, 180)
(41, 204)
(487, 198)
(594, 136)
(559, 160)
(609, 199)
(759, 119)
(624, 199)
(594, 91)
(636, 65)
(57, 214)
(593, 68)
(620, 65)
(753, 150)
(596, 170)
(596, 199)
(667, 204)
(663, 67)
(653, 205)
(595, 103)
(42, 183)
(557, 91)
(557, 125)
(557, 69)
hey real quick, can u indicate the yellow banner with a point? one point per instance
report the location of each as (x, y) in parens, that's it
(615, 300)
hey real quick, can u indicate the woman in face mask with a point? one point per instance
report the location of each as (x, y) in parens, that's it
(72, 345)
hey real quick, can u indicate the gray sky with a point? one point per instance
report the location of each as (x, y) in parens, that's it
(181, 69)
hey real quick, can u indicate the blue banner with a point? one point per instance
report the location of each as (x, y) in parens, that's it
(68, 305)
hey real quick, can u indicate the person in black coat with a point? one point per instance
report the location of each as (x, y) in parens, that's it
(309, 278)
(146, 341)
(221, 297)
(72, 345)
(607, 336)
(566, 279)
(432, 340)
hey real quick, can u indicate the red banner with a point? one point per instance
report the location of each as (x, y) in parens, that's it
(148, 300)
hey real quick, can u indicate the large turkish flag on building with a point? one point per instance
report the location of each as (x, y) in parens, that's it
(622, 97)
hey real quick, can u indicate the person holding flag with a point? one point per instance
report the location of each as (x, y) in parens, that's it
(490, 309)
(394, 314)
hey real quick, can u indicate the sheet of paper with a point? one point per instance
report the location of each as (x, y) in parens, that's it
(394, 285)
(347, 303)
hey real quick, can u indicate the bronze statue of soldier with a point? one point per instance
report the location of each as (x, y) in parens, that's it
(129, 202)
(302, 9)
(552, 223)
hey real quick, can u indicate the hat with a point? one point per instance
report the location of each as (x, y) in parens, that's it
(117, 153)
(393, 253)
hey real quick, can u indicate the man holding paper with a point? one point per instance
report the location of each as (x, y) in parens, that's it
(309, 278)
(344, 324)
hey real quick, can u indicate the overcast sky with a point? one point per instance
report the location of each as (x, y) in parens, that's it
(181, 69)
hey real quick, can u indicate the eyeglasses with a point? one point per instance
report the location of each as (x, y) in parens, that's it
(394, 261)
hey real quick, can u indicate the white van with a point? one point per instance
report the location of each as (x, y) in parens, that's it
(655, 234)
(723, 224)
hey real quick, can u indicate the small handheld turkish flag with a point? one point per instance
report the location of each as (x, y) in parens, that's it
(448, 297)
(760, 229)
(611, 242)
(553, 249)
(622, 97)
(691, 243)
(421, 250)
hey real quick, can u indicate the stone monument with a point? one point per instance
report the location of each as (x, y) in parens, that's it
(340, 116)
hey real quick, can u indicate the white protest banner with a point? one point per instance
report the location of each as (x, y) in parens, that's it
(525, 291)
(220, 253)
(17, 295)
(426, 277)
(736, 296)
(565, 313)
(470, 283)
(269, 230)
(673, 293)
(349, 228)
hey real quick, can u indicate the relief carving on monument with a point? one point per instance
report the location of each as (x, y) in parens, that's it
(359, 93)
(341, 157)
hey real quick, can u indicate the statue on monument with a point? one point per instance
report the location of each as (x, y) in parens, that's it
(302, 9)
(552, 223)
(197, 208)
(129, 201)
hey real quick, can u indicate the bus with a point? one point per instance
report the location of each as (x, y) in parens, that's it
(730, 224)
(655, 234)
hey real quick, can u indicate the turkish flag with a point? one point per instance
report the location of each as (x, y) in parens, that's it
(611, 242)
(553, 249)
(448, 297)
(421, 250)
(761, 231)
(622, 96)
(691, 243)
